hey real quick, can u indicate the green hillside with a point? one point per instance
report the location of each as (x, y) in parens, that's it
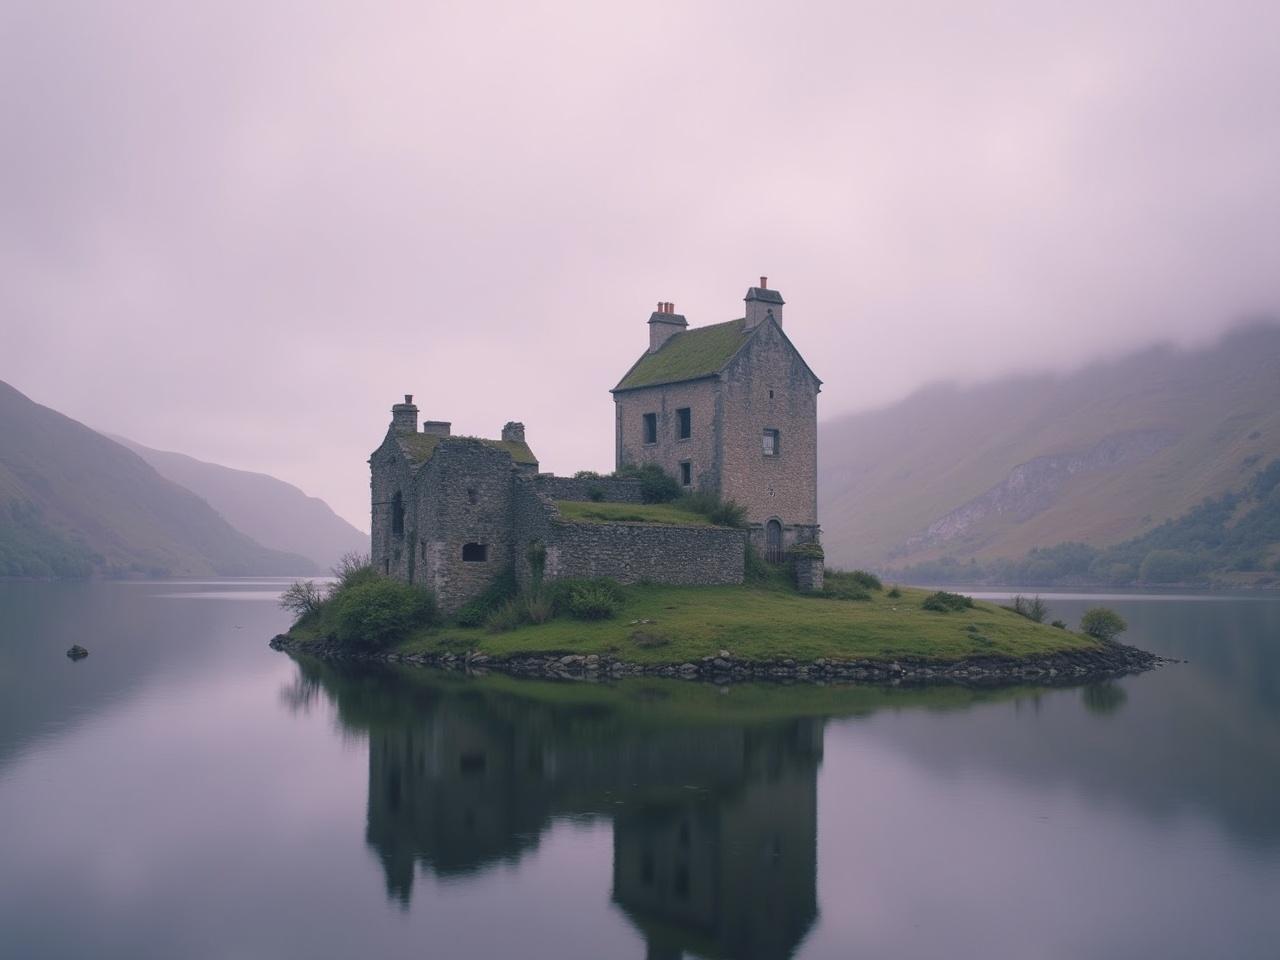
(1099, 456)
(274, 513)
(74, 503)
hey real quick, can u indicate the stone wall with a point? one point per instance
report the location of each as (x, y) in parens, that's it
(389, 475)
(631, 552)
(701, 449)
(767, 386)
(609, 489)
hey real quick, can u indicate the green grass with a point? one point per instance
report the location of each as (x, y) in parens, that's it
(762, 623)
(699, 352)
(669, 513)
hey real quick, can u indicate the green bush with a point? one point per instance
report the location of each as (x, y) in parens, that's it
(376, 613)
(597, 599)
(539, 607)
(1033, 609)
(656, 485)
(302, 598)
(723, 513)
(894, 593)
(944, 602)
(476, 612)
(1103, 624)
(595, 493)
(352, 568)
(866, 580)
(840, 591)
(506, 617)
(807, 551)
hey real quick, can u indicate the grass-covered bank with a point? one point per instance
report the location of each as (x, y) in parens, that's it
(649, 626)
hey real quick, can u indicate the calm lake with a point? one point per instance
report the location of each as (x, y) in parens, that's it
(185, 792)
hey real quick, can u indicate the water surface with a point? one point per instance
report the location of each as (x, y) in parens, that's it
(186, 792)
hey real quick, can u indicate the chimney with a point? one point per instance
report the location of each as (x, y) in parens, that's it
(436, 428)
(664, 323)
(404, 416)
(763, 303)
(513, 432)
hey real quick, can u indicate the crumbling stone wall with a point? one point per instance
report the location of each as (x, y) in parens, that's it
(609, 489)
(701, 449)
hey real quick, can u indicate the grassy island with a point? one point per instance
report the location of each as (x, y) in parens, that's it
(765, 620)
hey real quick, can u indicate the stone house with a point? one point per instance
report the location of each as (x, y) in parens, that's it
(729, 408)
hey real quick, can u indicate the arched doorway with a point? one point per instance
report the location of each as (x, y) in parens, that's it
(773, 541)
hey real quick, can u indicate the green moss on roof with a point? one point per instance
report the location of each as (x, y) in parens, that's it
(419, 447)
(695, 353)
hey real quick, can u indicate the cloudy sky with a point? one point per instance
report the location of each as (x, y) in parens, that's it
(242, 231)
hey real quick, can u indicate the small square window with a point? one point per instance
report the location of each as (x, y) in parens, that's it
(475, 552)
(650, 428)
(684, 424)
(772, 447)
(686, 473)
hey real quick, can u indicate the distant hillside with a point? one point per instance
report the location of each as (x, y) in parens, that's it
(276, 514)
(1099, 456)
(74, 503)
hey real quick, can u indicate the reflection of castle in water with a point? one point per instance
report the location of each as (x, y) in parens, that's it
(715, 827)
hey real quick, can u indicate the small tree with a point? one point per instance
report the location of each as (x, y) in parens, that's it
(1033, 609)
(301, 598)
(1103, 624)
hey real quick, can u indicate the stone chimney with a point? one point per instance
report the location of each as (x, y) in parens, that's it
(404, 416)
(437, 428)
(763, 303)
(513, 432)
(664, 323)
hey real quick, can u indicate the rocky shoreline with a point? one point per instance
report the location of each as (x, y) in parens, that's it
(1065, 668)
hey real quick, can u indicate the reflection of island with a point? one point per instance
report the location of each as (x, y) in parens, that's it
(715, 825)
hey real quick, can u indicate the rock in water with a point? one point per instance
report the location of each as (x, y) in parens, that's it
(77, 652)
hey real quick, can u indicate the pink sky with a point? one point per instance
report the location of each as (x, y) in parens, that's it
(241, 231)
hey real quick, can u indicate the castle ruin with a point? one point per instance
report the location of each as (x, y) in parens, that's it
(729, 408)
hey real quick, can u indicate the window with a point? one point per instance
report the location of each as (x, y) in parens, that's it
(684, 424)
(397, 515)
(472, 496)
(686, 473)
(475, 552)
(650, 428)
(771, 445)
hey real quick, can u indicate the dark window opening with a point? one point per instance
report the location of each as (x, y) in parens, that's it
(472, 497)
(772, 443)
(397, 515)
(475, 552)
(386, 567)
(650, 428)
(686, 473)
(684, 423)
(471, 764)
(422, 545)
(770, 394)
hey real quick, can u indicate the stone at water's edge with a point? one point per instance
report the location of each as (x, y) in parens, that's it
(77, 652)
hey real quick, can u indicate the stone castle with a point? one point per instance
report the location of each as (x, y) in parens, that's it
(729, 408)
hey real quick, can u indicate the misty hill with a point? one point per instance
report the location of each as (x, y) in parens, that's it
(1099, 456)
(274, 513)
(75, 503)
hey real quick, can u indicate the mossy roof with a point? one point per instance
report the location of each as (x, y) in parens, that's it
(691, 355)
(418, 447)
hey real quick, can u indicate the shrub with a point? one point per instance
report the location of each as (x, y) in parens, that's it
(723, 513)
(1103, 624)
(656, 485)
(807, 551)
(352, 568)
(377, 613)
(597, 599)
(866, 580)
(476, 612)
(302, 598)
(944, 602)
(539, 607)
(840, 591)
(1033, 609)
(1059, 624)
(595, 493)
(586, 475)
(894, 593)
(506, 617)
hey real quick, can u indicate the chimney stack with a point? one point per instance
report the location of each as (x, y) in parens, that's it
(664, 323)
(513, 432)
(436, 428)
(404, 416)
(763, 304)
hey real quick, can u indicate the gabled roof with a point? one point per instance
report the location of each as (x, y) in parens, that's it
(418, 447)
(689, 355)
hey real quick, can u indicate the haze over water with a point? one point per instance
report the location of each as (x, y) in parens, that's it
(185, 791)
